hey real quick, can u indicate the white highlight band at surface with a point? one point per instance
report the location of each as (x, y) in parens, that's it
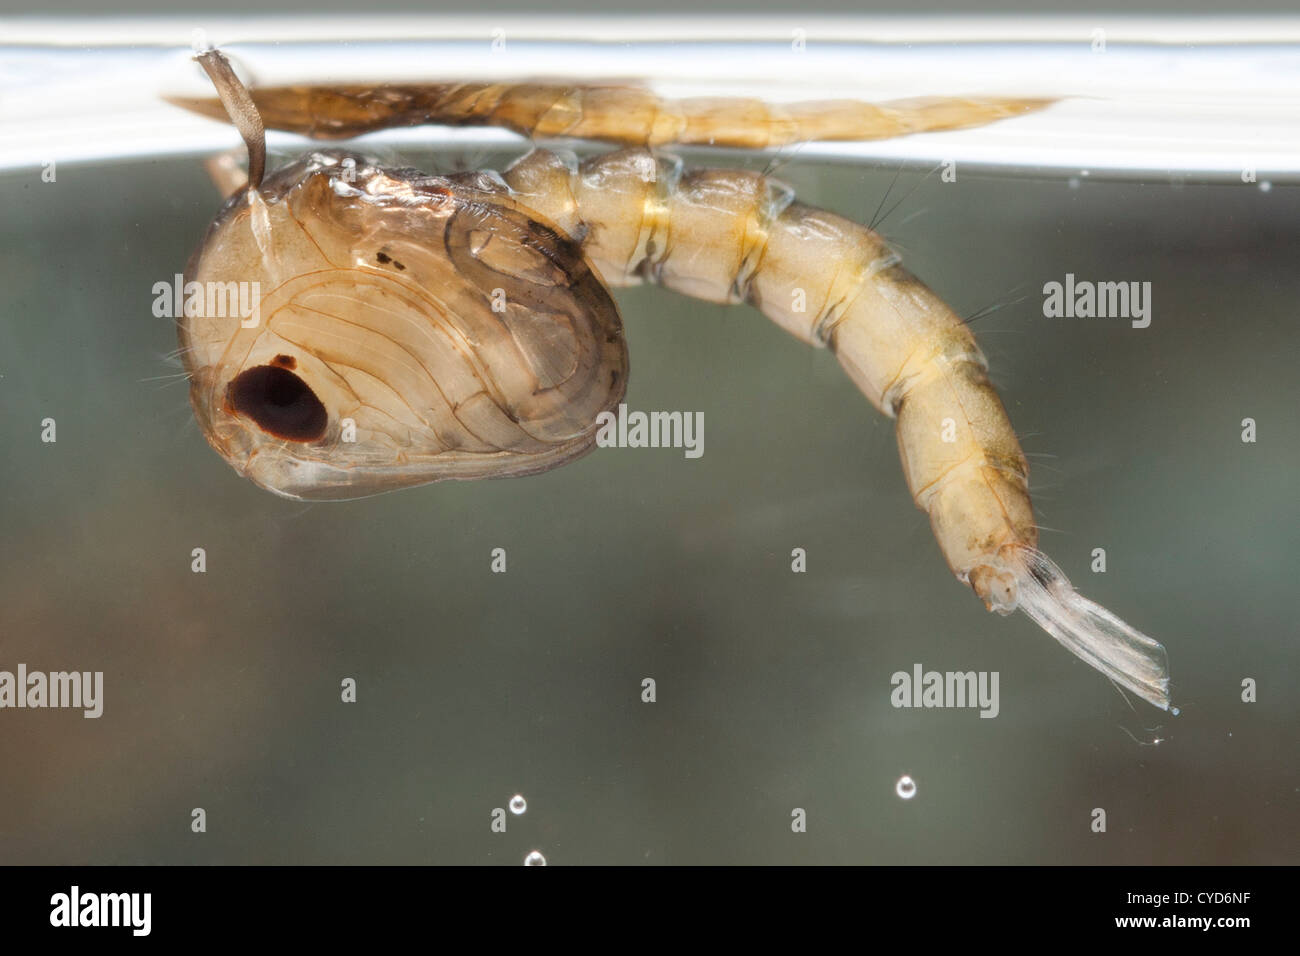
(1148, 97)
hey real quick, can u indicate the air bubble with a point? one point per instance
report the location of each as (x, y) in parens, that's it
(534, 859)
(518, 804)
(905, 788)
(1265, 185)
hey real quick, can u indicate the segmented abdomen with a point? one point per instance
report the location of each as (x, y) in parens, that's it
(737, 236)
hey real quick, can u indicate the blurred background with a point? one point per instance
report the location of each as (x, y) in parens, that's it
(222, 689)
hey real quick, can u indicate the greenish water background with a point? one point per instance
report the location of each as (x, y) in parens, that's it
(222, 689)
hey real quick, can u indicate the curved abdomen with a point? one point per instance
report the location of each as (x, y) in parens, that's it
(736, 236)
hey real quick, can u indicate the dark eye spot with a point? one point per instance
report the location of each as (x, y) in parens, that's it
(279, 402)
(382, 258)
(286, 361)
